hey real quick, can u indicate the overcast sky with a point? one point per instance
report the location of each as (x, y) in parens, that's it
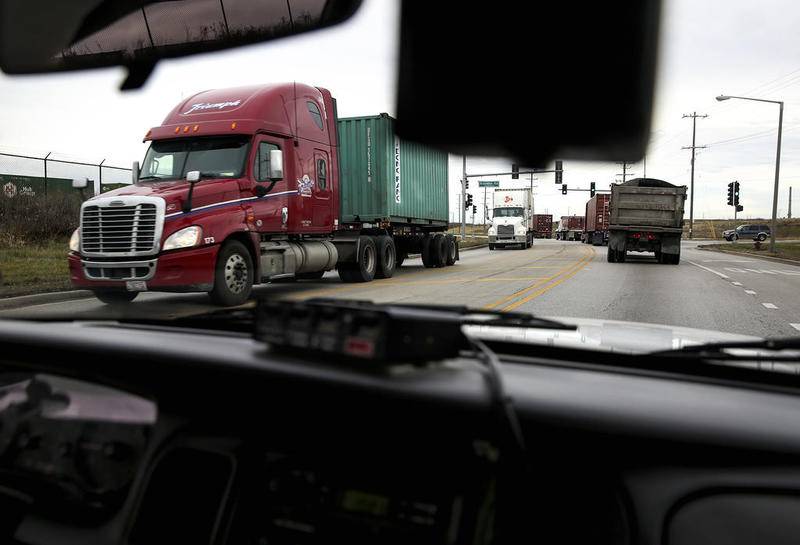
(707, 48)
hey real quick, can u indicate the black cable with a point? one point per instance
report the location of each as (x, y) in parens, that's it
(502, 402)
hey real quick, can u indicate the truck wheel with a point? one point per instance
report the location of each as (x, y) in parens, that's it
(491, 246)
(621, 254)
(310, 275)
(611, 256)
(659, 256)
(428, 259)
(115, 297)
(363, 270)
(439, 250)
(233, 276)
(387, 257)
(451, 250)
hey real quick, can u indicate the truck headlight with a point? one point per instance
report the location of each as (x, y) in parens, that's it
(75, 240)
(185, 238)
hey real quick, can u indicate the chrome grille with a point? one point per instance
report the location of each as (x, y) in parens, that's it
(117, 227)
(505, 230)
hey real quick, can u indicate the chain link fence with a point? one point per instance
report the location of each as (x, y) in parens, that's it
(32, 176)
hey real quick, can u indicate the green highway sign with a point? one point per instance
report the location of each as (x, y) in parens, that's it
(489, 183)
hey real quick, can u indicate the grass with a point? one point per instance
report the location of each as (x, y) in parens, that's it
(470, 242)
(34, 268)
(786, 250)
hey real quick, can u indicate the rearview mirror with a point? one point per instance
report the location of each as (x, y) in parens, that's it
(81, 35)
(135, 172)
(79, 184)
(275, 165)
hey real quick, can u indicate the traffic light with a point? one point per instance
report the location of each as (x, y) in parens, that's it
(563, 189)
(559, 169)
(739, 207)
(514, 172)
(591, 189)
(736, 193)
(474, 209)
(466, 184)
(730, 194)
(468, 201)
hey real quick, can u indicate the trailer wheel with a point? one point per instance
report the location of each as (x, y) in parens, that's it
(611, 255)
(115, 297)
(439, 250)
(428, 259)
(233, 277)
(387, 257)
(452, 251)
(363, 270)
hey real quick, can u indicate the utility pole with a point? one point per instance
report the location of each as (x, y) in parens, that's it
(625, 169)
(464, 200)
(693, 147)
(645, 166)
(789, 214)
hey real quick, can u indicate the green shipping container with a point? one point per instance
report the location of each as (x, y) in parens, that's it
(386, 178)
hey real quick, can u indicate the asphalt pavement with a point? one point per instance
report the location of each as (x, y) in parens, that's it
(708, 290)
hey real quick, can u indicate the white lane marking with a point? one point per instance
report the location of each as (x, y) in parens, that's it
(787, 273)
(754, 270)
(709, 270)
(769, 305)
(727, 261)
(736, 283)
(796, 326)
(735, 270)
(750, 292)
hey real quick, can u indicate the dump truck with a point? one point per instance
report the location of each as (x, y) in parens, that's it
(646, 215)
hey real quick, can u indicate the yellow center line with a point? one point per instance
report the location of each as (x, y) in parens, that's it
(580, 265)
(529, 288)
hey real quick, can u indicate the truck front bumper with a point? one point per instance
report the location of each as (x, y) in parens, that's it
(516, 239)
(179, 270)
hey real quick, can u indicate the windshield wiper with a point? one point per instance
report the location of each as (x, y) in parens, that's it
(765, 350)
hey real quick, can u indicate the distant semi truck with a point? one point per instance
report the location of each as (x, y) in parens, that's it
(570, 228)
(597, 220)
(512, 217)
(646, 215)
(543, 225)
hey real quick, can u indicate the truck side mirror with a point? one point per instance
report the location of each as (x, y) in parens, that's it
(193, 176)
(135, 172)
(275, 165)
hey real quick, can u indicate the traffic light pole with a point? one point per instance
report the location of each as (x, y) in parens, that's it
(464, 200)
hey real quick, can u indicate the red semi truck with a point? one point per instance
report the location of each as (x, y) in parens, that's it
(247, 185)
(597, 220)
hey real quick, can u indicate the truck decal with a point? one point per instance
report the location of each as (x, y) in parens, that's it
(305, 186)
(396, 170)
(369, 155)
(201, 106)
(228, 203)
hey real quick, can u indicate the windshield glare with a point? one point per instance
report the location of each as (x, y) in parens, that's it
(222, 157)
(508, 212)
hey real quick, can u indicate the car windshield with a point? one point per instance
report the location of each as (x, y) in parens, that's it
(218, 157)
(508, 212)
(307, 192)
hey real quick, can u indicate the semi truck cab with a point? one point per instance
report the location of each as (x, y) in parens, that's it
(512, 219)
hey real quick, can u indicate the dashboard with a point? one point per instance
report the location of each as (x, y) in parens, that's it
(138, 436)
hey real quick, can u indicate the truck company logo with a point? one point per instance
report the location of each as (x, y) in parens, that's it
(508, 199)
(305, 186)
(396, 170)
(202, 106)
(10, 190)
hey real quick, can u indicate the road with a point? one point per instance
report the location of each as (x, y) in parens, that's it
(708, 290)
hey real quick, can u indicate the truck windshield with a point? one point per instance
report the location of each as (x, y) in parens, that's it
(220, 157)
(508, 212)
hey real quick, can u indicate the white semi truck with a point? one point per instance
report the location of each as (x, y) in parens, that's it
(512, 219)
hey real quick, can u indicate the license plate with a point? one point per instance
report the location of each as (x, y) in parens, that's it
(136, 285)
